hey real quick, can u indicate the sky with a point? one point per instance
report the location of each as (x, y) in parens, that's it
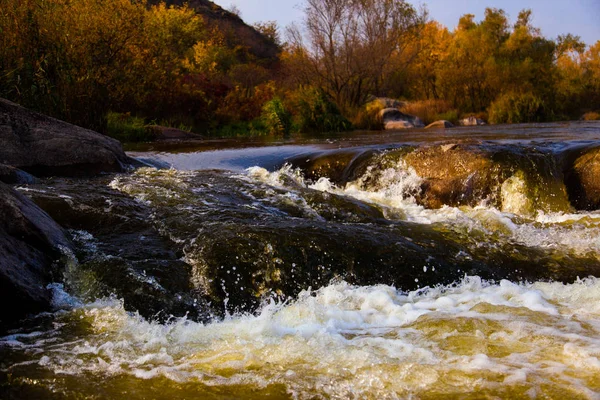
(554, 17)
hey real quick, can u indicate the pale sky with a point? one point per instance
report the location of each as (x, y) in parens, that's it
(554, 17)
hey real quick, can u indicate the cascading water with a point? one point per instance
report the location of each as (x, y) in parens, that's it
(375, 271)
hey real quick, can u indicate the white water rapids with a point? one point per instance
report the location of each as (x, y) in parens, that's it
(472, 339)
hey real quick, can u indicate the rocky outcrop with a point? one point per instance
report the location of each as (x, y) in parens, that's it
(235, 30)
(45, 146)
(393, 118)
(471, 121)
(12, 175)
(443, 124)
(583, 180)
(29, 244)
(515, 180)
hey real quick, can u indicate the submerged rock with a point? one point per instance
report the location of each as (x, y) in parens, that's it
(45, 146)
(30, 243)
(393, 118)
(443, 124)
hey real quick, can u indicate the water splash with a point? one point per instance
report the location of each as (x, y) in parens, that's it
(504, 339)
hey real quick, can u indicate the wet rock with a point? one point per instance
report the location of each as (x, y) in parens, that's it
(12, 175)
(332, 165)
(583, 180)
(443, 124)
(45, 146)
(120, 252)
(393, 118)
(29, 245)
(453, 175)
(471, 121)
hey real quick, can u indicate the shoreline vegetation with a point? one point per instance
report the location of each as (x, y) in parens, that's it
(132, 68)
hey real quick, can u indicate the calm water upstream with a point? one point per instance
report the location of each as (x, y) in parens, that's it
(420, 265)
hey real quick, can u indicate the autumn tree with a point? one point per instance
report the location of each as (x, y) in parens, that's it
(347, 47)
(431, 50)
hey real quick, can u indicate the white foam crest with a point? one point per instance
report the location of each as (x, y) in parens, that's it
(355, 339)
(277, 178)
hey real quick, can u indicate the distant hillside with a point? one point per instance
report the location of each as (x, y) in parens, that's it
(236, 31)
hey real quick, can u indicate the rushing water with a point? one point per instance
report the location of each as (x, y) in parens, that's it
(319, 270)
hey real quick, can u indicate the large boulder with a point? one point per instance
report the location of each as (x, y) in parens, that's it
(45, 146)
(393, 118)
(453, 175)
(30, 243)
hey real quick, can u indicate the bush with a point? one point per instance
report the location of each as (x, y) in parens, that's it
(127, 128)
(240, 129)
(276, 118)
(591, 116)
(431, 110)
(514, 108)
(315, 112)
(367, 117)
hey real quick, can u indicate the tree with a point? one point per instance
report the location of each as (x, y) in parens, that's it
(348, 46)
(270, 30)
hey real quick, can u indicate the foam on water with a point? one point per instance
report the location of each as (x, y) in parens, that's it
(342, 340)
(393, 190)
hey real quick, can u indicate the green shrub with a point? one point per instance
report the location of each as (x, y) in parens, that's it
(316, 113)
(451, 116)
(367, 117)
(240, 129)
(514, 108)
(276, 118)
(127, 128)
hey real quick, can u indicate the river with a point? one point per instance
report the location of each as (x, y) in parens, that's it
(423, 265)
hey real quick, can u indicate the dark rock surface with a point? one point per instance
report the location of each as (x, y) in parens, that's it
(44, 146)
(12, 175)
(29, 245)
(119, 250)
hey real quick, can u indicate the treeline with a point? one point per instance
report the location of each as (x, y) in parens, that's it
(83, 60)
(118, 65)
(511, 73)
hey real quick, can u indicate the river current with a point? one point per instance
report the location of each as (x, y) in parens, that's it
(322, 268)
